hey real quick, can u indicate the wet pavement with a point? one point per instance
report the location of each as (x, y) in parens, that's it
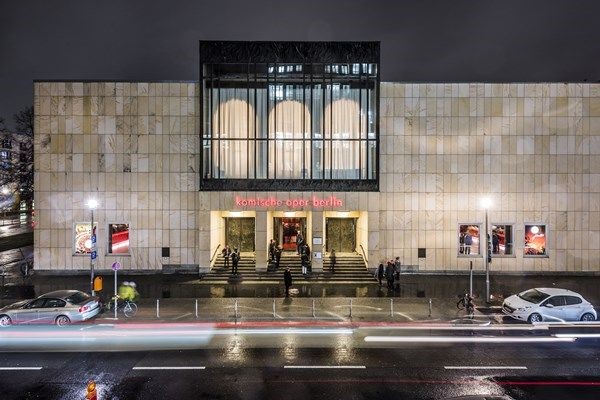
(292, 367)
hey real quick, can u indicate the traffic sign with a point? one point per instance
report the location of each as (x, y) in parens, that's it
(93, 239)
(94, 254)
(116, 266)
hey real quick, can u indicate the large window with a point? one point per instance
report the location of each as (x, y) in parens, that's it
(118, 238)
(289, 125)
(468, 240)
(502, 240)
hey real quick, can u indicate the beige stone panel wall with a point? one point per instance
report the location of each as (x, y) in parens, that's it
(534, 148)
(134, 147)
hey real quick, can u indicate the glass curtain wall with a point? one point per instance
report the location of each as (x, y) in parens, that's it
(289, 121)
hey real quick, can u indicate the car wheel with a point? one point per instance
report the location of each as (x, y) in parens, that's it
(588, 317)
(5, 320)
(62, 320)
(534, 318)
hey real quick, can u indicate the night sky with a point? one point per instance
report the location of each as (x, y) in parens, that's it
(421, 41)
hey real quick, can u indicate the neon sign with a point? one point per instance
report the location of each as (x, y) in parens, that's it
(330, 201)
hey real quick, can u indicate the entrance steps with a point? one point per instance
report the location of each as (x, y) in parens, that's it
(350, 268)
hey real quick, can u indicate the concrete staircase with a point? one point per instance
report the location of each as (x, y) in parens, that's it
(350, 268)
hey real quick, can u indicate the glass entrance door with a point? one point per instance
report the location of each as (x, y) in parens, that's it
(239, 233)
(341, 235)
(286, 232)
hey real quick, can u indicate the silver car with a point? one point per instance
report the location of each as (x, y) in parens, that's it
(549, 304)
(61, 307)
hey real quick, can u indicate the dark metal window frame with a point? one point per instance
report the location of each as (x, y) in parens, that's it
(328, 56)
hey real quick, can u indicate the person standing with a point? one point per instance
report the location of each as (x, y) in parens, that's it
(235, 259)
(272, 250)
(380, 272)
(468, 243)
(287, 280)
(389, 274)
(332, 261)
(495, 242)
(304, 263)
(299, 243)
(397, 268)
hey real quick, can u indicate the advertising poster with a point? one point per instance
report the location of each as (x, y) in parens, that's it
(535, 240)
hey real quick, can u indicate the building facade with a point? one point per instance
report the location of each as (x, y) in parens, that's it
(267, 148)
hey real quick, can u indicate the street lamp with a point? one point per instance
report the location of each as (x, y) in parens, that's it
(486, 203)
(92, 205)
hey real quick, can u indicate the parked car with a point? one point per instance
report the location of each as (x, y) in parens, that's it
(61, 307)
(548, 304)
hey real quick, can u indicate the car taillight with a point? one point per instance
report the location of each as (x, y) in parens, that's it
(84, 308)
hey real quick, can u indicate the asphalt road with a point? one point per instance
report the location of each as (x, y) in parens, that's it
(333, 366)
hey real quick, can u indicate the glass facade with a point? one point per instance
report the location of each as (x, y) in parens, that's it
(287, 123)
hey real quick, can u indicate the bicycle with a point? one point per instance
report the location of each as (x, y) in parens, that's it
(466, 303)
(128, 307)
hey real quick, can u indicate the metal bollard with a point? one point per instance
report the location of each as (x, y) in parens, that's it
(429, 308)
(391, 307)
(196, 308)
(313, 309)
(350, 308)
(157, 308)
(236, 309)
(274, 314)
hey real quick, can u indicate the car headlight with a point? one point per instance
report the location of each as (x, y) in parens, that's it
(523, 308)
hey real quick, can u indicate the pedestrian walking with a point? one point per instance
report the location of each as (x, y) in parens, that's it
(287, 280)
(226, 253)
(332, 261)
(278, 251)
(235, 259)
(380, 272)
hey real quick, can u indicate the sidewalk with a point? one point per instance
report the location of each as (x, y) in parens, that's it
(296, 310)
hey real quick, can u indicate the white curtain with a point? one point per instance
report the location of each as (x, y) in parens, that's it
(343, 121)
(289, 123)
(233, 119)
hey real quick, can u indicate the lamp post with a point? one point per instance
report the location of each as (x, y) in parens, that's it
(5, 192)
(92, 205)
(486, 203)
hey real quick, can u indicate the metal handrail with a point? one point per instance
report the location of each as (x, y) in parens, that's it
(214, 254)
(364, 256)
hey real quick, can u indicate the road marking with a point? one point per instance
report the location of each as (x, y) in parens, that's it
(20, 368)
(183, 316)
(161, 368)
(484, 367)
(324, 367)
(454, 339)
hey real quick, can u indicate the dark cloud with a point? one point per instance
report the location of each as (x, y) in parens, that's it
(437, 41)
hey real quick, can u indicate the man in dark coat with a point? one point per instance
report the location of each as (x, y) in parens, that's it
(235, 259)
(389, 274)
(380, 273)
(287, 280)
(332, 260)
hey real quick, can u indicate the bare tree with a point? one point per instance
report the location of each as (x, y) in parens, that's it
(16, 163)
(24, 121)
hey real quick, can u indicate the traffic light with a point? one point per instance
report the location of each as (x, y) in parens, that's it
(489, 249)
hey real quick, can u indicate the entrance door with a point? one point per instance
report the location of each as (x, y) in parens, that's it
(239, 233)
(341, 235)
(286, 232)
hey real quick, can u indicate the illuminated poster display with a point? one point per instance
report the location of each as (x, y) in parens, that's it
(468, 240)
(83, 241)
(118, 240)
(535, 240)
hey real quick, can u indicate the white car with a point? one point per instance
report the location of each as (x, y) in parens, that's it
(548, 304)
